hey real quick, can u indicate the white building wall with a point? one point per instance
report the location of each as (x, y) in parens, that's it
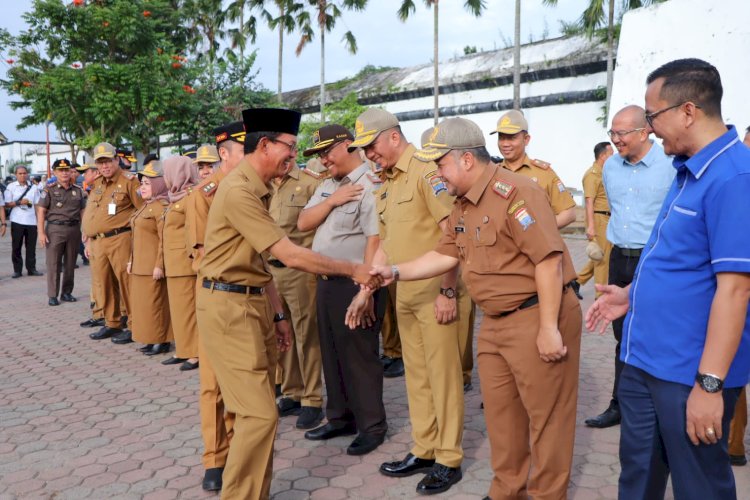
(33, 154)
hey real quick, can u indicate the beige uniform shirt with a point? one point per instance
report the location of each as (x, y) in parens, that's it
(197, 205)
(239, 230)
(289, 198)
(593, 187)
(176, 254)
(122, 191)
(559, 197)
(146, 252)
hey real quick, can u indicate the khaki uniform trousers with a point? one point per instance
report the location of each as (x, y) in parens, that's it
(738, 425)
(95, 294)
(150, 316)
(182, 310)
(529, 405)
(598, 270)
(389, 330)
(432, 363)
(301, 365)
(239, 341)
(110, 265)
(217, 424)
(63, 245)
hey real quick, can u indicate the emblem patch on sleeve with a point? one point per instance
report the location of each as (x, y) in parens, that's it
(504, 189)
(209, 188)
(43, 194)
(524, 218)
(436, 182)
(560, 186)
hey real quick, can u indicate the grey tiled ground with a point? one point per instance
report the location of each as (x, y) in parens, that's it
(85, 419)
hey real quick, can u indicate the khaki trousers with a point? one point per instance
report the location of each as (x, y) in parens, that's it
(738, 425)
(432, 362)
(239, 341)
(598, 270)
(150, 316)
(529, 405)
(110, 266)
(389, 330)
(182, 310)
(301, 365)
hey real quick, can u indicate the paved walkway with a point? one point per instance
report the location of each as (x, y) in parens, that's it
(86, 419)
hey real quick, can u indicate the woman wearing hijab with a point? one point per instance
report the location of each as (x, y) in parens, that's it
(181, 174)
(148, 288)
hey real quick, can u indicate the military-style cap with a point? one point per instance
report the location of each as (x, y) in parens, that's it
(206, 153)
(451, 133)
(62, 164)
(190, 154)
(594, 251)
(280, 120)
(128, 155)
(234, 131)
(85, 166)
(104, 150)
(369, 124)
(326, 137)
(153, 169)
(511, 122)
(426, 136)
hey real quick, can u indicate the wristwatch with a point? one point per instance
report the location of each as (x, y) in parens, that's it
(279, 317)
(395, 273)
(448, 292)
(709, 382)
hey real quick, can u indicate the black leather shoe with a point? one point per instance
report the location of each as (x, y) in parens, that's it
(737, 460)
(212, 479)
(144, 349)
(124, 337)
(187, 366)
(288, 406)
(309, 417)
(365, 443)
(439, 479)
(330, 431)
(16, 275)
(576, 289)
(34, 272)
(104, 332)
(124, 321)
(53, 301)
(610, 417)
(173, 361)
(158, 349)
(395, 368)
(66, 297)
(93, 322)
(409, 466)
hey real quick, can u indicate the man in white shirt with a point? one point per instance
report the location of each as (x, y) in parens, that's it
(21, 196)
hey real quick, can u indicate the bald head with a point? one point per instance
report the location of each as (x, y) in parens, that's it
(633, 115)
(629, 133)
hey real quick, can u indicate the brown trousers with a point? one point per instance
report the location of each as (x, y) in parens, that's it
(529, 405)
(62, 248)
(150, 316)
(598, 270)
(301, 365)
(738, 425)
(239, 341)
(389, 330)
(182, 310)
(110, 265)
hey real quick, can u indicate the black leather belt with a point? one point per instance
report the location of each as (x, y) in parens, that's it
(629, 252)
(229, 287)
(64, 222)
(114, 232)
(531, 301)
(603, 212)
(276, 263)
(325, 277)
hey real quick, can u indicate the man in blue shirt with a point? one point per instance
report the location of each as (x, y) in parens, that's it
(636, 179)
(687, 330)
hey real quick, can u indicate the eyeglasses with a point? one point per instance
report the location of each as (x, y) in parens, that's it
(619, 134)
(291, 145)
(327, 151)
(651, 116)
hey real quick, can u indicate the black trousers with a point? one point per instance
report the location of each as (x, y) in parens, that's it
(22, 234)
(351, 361)
(621, 271)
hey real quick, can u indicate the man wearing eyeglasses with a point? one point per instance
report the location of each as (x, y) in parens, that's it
(636, 179)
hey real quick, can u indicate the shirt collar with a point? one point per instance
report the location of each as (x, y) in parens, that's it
(650, 159)
(293, 173)
(698, 163)
(357, 173)
(525, 163)
(115, 177)
(480, 186)
(259, 188)
(404, 161)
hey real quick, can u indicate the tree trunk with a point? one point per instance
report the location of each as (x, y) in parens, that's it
(517, 58)
(281, 48)
(322, 72)
(610, 51)
(436, 81)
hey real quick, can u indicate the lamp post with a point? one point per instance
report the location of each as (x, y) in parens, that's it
(49, 172)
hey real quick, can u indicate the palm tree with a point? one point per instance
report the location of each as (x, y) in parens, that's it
(517, 58)
(594, 17)
(408, 8)
(286, 21)
(244, 31)
(207, 19)
(326, 12)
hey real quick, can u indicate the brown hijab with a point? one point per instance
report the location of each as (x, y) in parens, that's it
(180, 173)
(159, 189)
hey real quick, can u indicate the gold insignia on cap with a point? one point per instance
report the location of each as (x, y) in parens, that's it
(505, 121)
(100, 149)
(316, 137)
(359, 127)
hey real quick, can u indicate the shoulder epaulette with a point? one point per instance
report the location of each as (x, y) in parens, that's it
(374, 178)
(503, 188)
(541, 164)
(209, 188)
(129, 176)
(313, 174)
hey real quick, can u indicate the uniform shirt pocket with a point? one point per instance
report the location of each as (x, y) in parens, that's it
(485, 237)
(345, 216)
(405, 206)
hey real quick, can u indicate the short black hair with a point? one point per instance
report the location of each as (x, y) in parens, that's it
(480, 153)
(599, 149)
(690, 80)
(747, 130)
(149, 158)
(253, 138)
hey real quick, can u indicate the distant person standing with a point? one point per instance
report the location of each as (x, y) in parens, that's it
(60, 206)
(20, 197)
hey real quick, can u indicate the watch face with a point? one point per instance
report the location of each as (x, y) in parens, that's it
(449, 292)
(709, 383)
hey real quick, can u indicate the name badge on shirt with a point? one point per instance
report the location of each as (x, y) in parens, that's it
(325, 195)
(459, 229)
(111, 209)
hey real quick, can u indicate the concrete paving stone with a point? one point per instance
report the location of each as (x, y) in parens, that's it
(74, 493)
(292, 474)
(18, 476)
(329, 493)
(346, 481)
(99, 480)
(171, 472)
(134, 476)
(278, 486)
(147, 486)
(292, 495)
(184, 482)
(162, 495)
(25, 488)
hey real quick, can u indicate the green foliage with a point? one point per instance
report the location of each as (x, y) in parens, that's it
(361, 74)
(343, 112)
(470, 49)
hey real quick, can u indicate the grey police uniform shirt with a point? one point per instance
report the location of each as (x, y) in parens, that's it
(343, 234)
